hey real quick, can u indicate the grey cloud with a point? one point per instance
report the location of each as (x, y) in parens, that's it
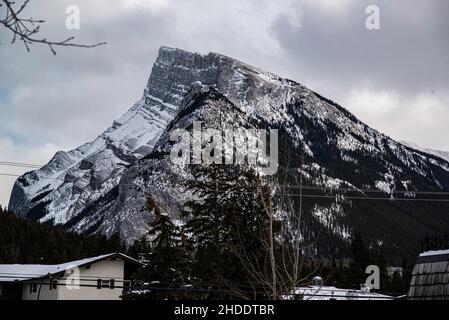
(408, 53)
(71, 97)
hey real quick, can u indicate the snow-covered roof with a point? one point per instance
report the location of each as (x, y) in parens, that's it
(434, 253)
(334, 293)
(22, 272)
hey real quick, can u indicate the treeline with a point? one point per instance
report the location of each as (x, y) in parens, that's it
(352, 274)
(174, 272)
(27, 241)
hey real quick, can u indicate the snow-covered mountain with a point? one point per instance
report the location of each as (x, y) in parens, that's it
(439, 153)
(358, 179)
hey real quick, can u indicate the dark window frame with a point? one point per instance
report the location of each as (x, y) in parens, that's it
(104, 283)
(33, 288)
(53, 285)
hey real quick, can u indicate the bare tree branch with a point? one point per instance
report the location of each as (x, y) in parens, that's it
(26, 29)
(283, 271)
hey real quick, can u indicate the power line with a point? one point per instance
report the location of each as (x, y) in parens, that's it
(318, 188)
(297, 186)
(69, 282)
(369, 198)
(40, 275)
(289, 186)
(21, 277)
(87, 278)
(292, 186)
(355, 189)
(19, 164)
(96, 277)
(9, 175)
(335, 196)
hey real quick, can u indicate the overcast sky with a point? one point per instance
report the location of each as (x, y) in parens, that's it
(395, 79)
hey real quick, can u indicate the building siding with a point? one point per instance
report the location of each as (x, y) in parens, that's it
(103, 270)
(87, 290)
(45, 292)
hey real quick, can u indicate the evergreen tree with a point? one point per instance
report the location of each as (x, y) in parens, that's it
(228, 225)
(27, 241)
(170, 260)
(361, 259)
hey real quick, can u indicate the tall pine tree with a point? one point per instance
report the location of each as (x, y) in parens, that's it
(170, 258)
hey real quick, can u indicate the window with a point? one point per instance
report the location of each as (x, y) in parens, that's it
(103, 283)
(33, 288)
(87, 266)
(112, 284)
(53, 284)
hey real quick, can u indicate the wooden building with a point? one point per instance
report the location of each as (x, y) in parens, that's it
(430, 276)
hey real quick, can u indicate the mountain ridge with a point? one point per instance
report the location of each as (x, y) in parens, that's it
(443, 154)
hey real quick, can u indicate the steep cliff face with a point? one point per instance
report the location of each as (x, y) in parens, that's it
(74, 179)
(355, 178)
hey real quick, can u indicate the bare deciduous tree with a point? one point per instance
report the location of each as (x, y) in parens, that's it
(27, 29)
(283, 271)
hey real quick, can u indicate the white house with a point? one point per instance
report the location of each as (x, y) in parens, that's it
(97, 278)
